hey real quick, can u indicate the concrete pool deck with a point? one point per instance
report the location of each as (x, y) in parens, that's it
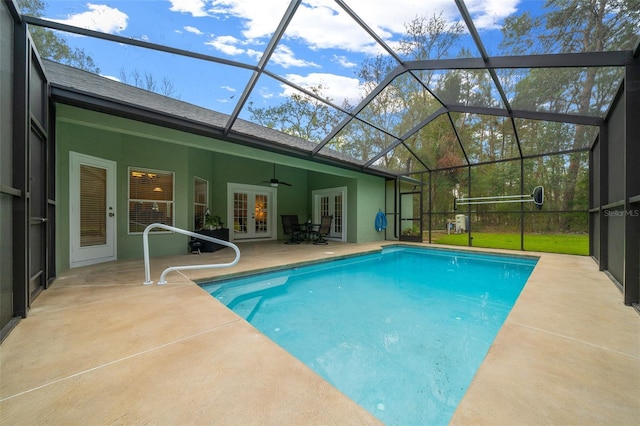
(98, 347)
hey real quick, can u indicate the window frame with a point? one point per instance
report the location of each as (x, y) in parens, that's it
(171, 204)
(196, 204)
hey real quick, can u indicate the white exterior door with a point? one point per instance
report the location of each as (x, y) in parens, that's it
(253, 212)
(92, 218)
(332, 202)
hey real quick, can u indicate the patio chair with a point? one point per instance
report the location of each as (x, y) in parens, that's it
(323, 230)
(291, 227)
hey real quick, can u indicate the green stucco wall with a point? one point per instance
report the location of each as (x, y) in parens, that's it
(242, 170)
(126, 150)
(371, 199)
(131, 143)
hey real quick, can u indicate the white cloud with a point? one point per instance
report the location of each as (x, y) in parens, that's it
(193, 30)
(99, 18)
(488, 15)
(265, 93)
(260, 18)
(228, 39)
(344, 61)
(226, 45)
(282, 56)
(389, 18)
(194, 7)
(322, 24)
(310, 26)
(285, 57)
(336, 87)
(229, 98)
(392, 17)
(255, 54)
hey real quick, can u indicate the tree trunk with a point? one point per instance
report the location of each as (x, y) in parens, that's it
(591, 42)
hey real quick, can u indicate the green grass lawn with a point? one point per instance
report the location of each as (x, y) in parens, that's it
(549, 243)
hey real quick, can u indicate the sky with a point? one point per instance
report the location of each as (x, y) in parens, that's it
(321, 46)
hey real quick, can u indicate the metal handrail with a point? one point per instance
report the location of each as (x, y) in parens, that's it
(145, 245)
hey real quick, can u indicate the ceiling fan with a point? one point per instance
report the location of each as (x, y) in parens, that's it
(274, 182)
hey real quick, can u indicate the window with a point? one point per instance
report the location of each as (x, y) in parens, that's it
(93, 205)
(200, 201)
(240, 212)
(150, 198)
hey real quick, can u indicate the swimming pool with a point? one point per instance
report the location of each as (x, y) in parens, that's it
(401, 332)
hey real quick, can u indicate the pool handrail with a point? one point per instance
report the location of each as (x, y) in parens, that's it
(145, 246)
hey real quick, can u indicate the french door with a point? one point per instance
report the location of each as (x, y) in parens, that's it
(253, 212)
(332, 202)
(92, 218)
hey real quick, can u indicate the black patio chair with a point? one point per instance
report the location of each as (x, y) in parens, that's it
(291, 227)
(323, 230)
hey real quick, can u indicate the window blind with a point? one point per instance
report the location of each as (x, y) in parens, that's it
(93, 206)
(151, 198)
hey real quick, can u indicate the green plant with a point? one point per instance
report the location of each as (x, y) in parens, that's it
(212, 222)
(411, 232)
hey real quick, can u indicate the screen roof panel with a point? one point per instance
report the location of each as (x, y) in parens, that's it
(359, 140)
(540, 137)
(192, 26)
(486, 138)
(350, 69)
(279, 106)
(400, 161)
(400, 105)
(541, 26)
(338, 60)
(463, 87)
(133, 65)
(579, 91)
(421, 30)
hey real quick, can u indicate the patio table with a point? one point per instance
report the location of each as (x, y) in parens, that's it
(307, 230)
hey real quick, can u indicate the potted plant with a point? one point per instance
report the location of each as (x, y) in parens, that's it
(212, 222)
(411, 234)
(212, 226)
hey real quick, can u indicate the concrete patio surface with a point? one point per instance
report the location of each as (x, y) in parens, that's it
(98, 347)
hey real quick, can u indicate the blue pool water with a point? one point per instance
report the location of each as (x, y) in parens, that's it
(401, 332)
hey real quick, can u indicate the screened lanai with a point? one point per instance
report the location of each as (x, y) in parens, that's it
(445, 99)
(434, 88)
(450, 99)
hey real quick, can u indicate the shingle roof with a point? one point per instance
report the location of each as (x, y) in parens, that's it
(97, 89)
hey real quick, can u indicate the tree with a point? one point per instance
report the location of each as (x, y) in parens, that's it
(430, 38)
(54, 46)
(405, 102)
(571, 26)
(396, 110)
(300, 115)
(148, 82)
